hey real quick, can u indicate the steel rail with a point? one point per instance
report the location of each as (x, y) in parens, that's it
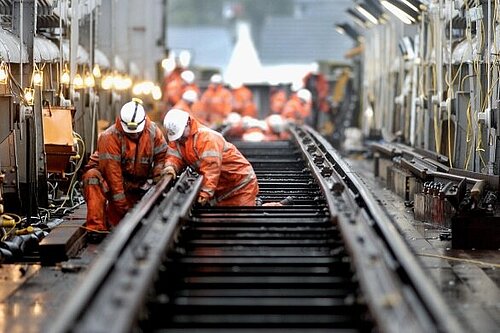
(113, 291)
(378, 250)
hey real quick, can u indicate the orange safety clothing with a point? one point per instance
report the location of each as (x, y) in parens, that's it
(217, 103)
(318, 85)
(234, 131)
(175, 75)
(296, 109)
(228, 178)
(277, 100)
(195, 110)
(174, 91)
(243, 102)
(118, 169)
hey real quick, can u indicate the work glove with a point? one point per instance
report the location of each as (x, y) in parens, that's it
(202, 200)
(272, 204)
(169, 170)
(121, 207)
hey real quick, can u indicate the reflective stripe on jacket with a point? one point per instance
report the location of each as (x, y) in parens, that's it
(223, 167)
(126, 163)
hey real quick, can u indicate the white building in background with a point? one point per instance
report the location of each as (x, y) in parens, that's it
(244, 64)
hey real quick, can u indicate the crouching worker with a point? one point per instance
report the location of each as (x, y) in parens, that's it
(228, 178)
(129, 153)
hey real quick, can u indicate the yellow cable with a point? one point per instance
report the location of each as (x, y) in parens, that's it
(468, 136)
(470, 261)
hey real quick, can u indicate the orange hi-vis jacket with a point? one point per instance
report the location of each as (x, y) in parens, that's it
(318, 85)
(174, 90)
(297, 110)
(277, 101)
(118, 169)
(217, 103)
(175, 75)
(228, 178)
(243, 102)
(195, 110)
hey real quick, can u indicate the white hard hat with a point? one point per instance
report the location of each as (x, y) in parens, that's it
(246, 121)
(254, 123)
(187, 76)
(235, 84)
(216, 79)
(190, 96)
(304, 95)
(175, 122)
(276, 123)
(133, 116)
(232, 118)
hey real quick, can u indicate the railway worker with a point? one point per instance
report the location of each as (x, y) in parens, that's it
(243, 100)
(216, 101)
(254, 130)
(319, 87)
(228, 178)
(173, 87)
(298, 108)
(234, 126)
(192, 105)
(129, 153)
(189, 83)
(276, 128)
(277, 99)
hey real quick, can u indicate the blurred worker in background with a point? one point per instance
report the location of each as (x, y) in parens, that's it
(192, 105)
(129, 154)
(276, 128)
(254, 130)
(298, 108)
(228, 178)
(176, 87)
(243, 100)
(216, 101)
(172, 86)
(318, 85)
(188, 80)
(233, 126)
(277, 99)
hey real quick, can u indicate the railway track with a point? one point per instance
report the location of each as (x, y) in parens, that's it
(329, 260)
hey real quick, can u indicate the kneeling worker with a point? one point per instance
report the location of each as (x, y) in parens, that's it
(228, 178)
(128, 154)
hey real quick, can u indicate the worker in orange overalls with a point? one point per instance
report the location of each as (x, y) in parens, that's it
(298, 107)
(276, 128)
(188, 80)
(228, 178)
(319, 87)
(217, 101)
(254, 129)
(173, 87)
(192, 105)
(129, 154)
(243, 100)
(277, 100)
(233, 126)
(189, 97)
